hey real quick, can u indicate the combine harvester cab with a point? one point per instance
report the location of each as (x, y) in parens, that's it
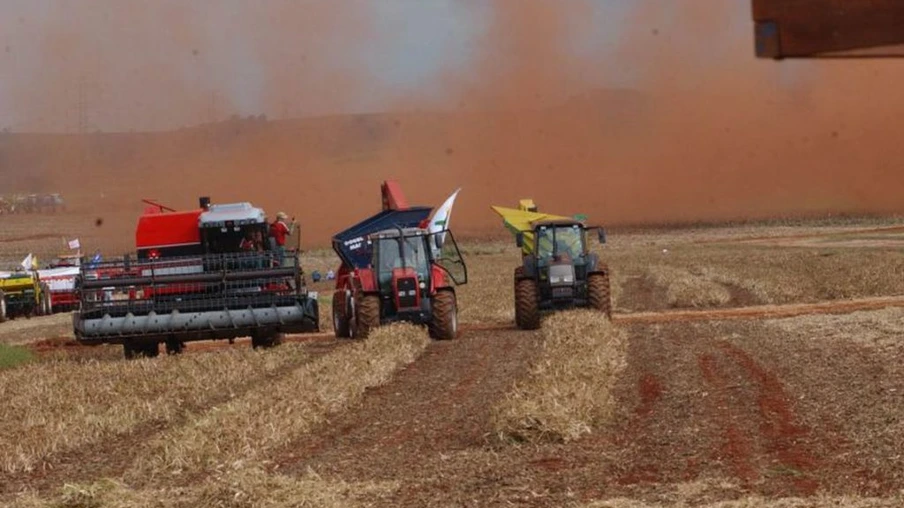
(397, 268)
(190, 281)
(558, 270)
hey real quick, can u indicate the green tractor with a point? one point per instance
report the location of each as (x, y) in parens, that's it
(558, 269)
(23, 294)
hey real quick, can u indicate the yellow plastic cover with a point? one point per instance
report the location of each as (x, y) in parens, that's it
(519, 221)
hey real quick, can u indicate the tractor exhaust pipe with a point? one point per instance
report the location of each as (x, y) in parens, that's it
(204, 202)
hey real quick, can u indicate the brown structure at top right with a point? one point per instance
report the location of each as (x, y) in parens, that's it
(829, 28)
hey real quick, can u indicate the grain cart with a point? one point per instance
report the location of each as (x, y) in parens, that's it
(396, 267)
(557, 270)
(190, 281)
(23, 294)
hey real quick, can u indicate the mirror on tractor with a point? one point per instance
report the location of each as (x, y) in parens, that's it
(602, 235)
(519, 239)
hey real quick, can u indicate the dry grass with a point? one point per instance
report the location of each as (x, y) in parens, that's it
(59, 405)
(250, 487)
(24, 331)
(569, 389)
(273, 415)
(771, 275)
(687, 289)
(488, 297)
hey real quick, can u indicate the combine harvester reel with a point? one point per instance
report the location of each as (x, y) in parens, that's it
(558, 270)
(398, 265)
(190, 281)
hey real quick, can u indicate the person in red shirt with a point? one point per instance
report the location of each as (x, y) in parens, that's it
(278, 232)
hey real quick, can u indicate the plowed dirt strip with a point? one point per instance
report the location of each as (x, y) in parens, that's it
(438, 406)
(112, 457)
(735, 408)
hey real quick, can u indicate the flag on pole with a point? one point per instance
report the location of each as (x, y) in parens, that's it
(30, 262)
(442, 216)
(74, 244)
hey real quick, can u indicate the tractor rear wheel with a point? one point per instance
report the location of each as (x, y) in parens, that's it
(598, 293)
(2, 307)
(367, 315)
(340, 315)
(527, 304)
(444, 322)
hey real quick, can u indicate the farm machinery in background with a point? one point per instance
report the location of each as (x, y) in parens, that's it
(23, 293)
(558, 269)
(191, 280)
(400, 264)
(31, 203)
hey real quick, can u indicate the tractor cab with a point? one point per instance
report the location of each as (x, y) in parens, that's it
(560, 240)
(409, 263)
(398, 254)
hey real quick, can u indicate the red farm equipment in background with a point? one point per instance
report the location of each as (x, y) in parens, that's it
(398, 265)
(200, 274)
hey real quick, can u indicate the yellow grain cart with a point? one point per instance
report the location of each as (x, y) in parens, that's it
(23, 294)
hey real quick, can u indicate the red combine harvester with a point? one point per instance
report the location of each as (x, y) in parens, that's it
(395, 268)
(192, 281)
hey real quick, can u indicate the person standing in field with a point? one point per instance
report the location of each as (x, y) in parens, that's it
(279, 230)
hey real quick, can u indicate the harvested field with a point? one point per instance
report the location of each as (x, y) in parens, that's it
(734, 373)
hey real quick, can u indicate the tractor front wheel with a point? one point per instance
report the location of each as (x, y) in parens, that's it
(367, 316)
(444, 322)
(598, 293)
(340, 315)
(527, 304)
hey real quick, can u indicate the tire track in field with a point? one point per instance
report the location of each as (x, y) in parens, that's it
(438, 405)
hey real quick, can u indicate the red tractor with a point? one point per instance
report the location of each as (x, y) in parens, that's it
(395, 268)
(199, 274)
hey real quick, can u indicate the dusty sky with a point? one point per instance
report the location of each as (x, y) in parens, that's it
(127, 64)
